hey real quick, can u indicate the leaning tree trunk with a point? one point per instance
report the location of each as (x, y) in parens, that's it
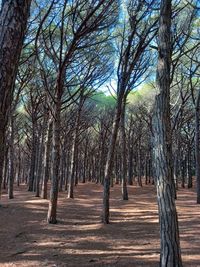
(109, 162)
(170, 254)
(13, 20)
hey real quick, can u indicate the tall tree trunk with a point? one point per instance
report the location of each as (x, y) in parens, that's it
(52, 212)
(130, 157)
(5, 168)
(47, 160)
(189, 166)
(109, 162)
(170, 254)
(139, 167)
(13, 21)
(74, 151)
(85, 155)
(11, 173)
(124, 158)
(33, 158)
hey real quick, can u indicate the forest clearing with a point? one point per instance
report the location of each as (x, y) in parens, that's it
(80, 239)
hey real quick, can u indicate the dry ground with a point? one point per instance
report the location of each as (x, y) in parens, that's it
(79, 239)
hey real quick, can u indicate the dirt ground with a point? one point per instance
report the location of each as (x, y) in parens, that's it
(79, 239)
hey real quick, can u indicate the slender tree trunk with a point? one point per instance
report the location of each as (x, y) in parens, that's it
(67, 168)
(47, 160)
(12, 159)
(170, 254)
(74, 151)
(189, 167)
(33, 158)
(109, 162)
(41, 154)
(183, 171)
(52, 212)
(139, 167)
(85, 162)
(124, 158)
(5, 169)
(130, 160)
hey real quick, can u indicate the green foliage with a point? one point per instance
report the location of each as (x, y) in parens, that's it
(103, 101)
(143, 96)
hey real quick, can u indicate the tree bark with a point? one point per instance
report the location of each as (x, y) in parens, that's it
(170, 254)
(13, 21)
(52, 211)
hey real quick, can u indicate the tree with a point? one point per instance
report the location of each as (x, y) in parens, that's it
(13, 21)
(84, 23)
(170, 254)
(133, 59)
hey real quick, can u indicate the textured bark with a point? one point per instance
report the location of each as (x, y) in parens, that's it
(170, 254)
(52, 211)
(13, 21)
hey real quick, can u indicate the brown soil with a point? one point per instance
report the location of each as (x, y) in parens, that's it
(79, 239)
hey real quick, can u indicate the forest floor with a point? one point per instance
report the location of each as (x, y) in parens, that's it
(79, 238)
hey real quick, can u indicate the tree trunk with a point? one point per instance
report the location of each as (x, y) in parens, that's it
(33, 158)
(75, 149)
(52, 212)
(109, 162)
(47, 161)
(5, 168)
(41, 154)
(13, 21)
(139, 167)
(124, 158)
(189, 166)
(170, 254)
(11, 173)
